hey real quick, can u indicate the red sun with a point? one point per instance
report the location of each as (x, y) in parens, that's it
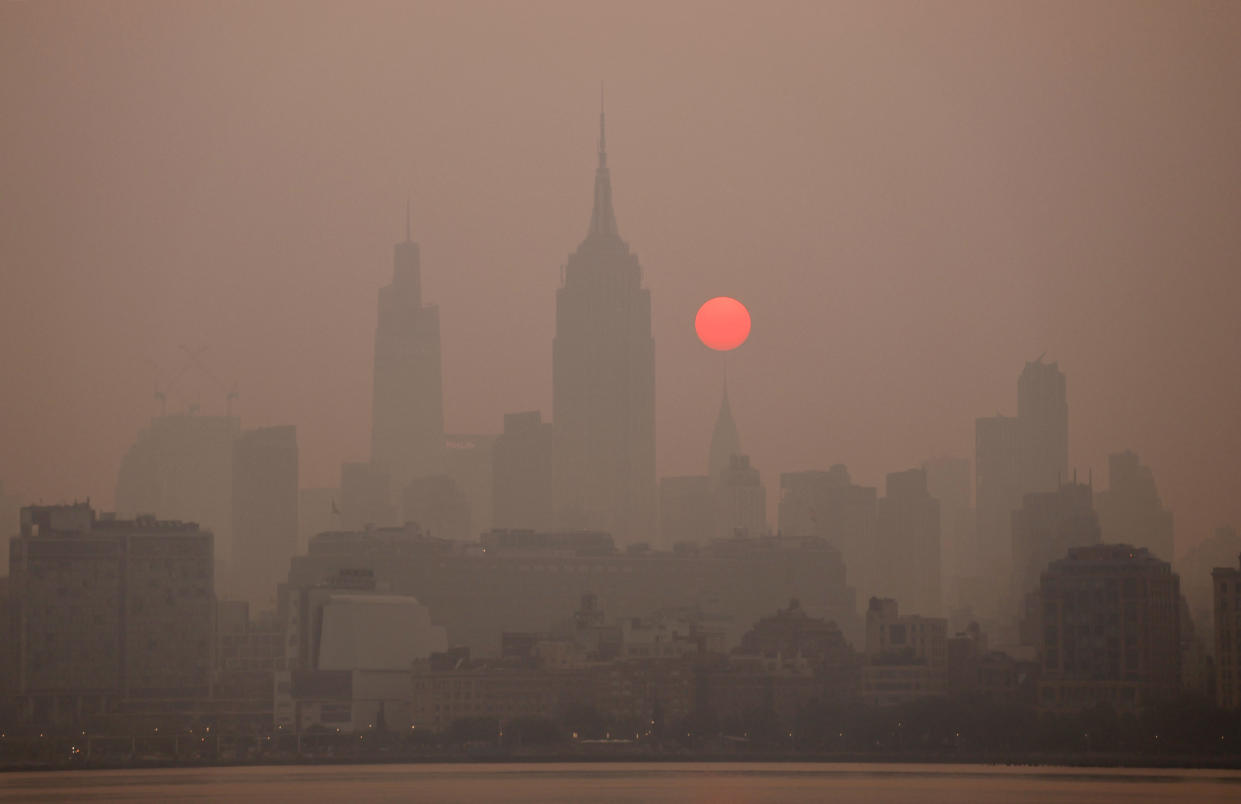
(722, 323)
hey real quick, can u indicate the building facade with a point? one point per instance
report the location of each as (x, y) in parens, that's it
(1110, 625)
(906, 655)
(109, 610)
(1227, 581)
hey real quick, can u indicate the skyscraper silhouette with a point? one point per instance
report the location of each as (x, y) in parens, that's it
(603, 378)
(407, 420)
(725, 441)
(1043, 422)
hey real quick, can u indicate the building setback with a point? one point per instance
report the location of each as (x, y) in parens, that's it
(603, 382)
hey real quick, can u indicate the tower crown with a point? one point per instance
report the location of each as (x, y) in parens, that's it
(603, 216)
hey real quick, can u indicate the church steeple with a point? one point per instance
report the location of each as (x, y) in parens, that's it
(603, 217)
(725, 440)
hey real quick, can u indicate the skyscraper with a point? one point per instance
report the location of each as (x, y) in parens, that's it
(407, 418)
(522, 473)
(725, 441)
(907, 535)
(1130, 511)
(1046, 526)
(1043, 421)
(180, 466)
(265, 508)
(997, 477)
(603, 381)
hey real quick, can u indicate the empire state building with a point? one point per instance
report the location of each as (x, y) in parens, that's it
(603, 381)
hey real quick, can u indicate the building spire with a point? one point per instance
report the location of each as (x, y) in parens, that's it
(725, 440)
(603, 217)
(603, 137)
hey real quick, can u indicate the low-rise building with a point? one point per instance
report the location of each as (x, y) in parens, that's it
(906, 655)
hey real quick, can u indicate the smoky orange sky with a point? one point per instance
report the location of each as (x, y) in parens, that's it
(913, 199)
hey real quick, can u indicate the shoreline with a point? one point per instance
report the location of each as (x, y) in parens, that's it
(988, 759)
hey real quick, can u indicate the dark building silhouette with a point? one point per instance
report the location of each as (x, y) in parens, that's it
(108, 610)
(1045, 528)
(1110, 629)
(906, 655)
(740, 500)
(603, 377)
(9, 518)
(470, 588)
(792, 632)
(1195, 566)
(725, 441)
(522, 473)
(1130, 511)
(827, 505)
(1015, 457)
(908, 540)
(265, 509)
(1043, 419)
(407, 424)
(1227, 610)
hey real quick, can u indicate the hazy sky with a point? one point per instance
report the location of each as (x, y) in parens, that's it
(912, 198)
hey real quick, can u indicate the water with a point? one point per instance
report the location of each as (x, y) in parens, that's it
(629, 782)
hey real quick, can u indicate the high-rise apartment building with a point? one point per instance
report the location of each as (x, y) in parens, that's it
(603, 378)
(1110, 629)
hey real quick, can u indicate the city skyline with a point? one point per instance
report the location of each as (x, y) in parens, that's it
(1167, 315)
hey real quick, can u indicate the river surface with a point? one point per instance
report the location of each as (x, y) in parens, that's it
(629, 782)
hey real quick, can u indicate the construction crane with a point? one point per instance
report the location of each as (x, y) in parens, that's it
(230, 392)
